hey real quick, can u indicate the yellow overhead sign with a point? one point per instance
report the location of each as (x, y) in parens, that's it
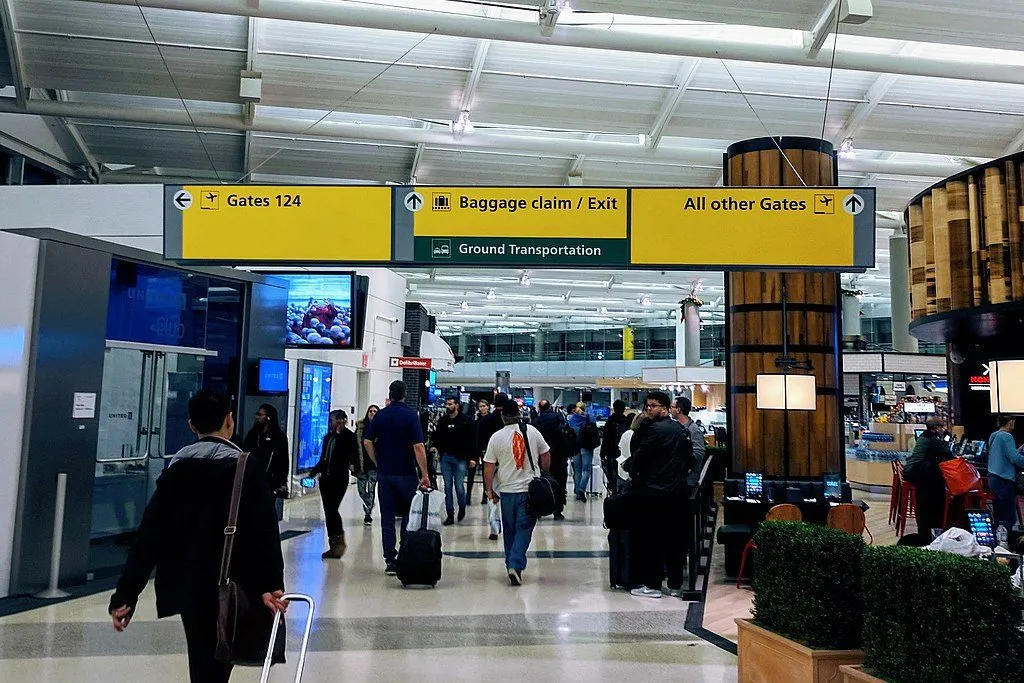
(280, 223)
(555, 212)
(745, 227)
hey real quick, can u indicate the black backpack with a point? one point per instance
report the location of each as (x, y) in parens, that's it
(590, 436)
(569, 437)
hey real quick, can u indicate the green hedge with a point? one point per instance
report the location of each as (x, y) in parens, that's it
(931, 617)
(807, 584)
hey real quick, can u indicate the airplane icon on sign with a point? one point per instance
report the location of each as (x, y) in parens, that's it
(209, 201)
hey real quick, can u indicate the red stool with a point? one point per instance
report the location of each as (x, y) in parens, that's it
(908, 506)
(896, 491)
(972, 500)
(785, 512)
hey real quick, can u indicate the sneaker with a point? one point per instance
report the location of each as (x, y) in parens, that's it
(559, 517)
(581, 498)
(645, 592)
(493, 537)
(448, 521)
(390, 569)
(462, 513)
(675, 592)
(515, 577)
(367, 520)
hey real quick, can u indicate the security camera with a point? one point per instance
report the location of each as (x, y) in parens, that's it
(956, 356)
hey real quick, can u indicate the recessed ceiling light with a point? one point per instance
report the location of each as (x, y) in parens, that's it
(491, 296)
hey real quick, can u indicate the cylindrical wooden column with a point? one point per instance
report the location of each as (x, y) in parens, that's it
(754, 300)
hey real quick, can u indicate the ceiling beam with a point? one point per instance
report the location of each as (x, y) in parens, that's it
(423, 22)
(481, 140)
(13, 47)
(822, 29)
(1016, 144)
(873, 98)
(671, 101)
(77, 139)
(475, 72)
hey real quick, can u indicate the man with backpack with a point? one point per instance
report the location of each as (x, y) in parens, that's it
(560, 437)
(516, 462)
(589, 437)
(617, 425)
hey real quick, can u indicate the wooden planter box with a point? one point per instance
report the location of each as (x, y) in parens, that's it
(856, 674)
(767, 657)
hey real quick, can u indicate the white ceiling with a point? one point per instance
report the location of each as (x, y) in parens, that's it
(637, 92)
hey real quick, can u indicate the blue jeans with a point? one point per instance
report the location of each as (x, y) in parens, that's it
(582, 468)
(395, 494)
(453, 470)
(1006, 501)
(517, 526)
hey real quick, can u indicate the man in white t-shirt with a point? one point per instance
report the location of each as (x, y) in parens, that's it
(507, 457)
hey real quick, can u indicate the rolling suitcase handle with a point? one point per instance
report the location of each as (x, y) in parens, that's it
(290, 597)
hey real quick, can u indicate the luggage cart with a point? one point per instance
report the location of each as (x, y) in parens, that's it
(290, 597)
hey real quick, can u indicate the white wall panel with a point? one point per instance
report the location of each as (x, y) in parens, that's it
(18, 258)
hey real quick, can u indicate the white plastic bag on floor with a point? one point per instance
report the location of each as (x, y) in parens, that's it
(494, 516)
(435, 506)
(959, 542)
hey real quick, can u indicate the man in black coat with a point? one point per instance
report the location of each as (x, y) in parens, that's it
(182, 536)
(662, 457)
(551, 425)
(618, 424)
(922, 470)
(338, 452)
(455, 441)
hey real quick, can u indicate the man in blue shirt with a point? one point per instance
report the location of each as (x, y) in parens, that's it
(1003, 462)
(394, 441)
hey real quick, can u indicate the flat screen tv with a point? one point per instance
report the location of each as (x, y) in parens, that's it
(271, 376)
(324, 310)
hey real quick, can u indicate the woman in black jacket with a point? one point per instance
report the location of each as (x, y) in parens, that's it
(337, 453)
(267, 443)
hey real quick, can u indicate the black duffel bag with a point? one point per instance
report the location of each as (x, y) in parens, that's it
(619, 510)
(543, 495)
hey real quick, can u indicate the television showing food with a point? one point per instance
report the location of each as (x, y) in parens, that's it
(320, 311)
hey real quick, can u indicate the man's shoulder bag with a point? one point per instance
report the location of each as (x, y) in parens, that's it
(243, 621)
(542, 494)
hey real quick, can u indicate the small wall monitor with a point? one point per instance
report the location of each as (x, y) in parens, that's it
(980, 523)
(272, 376)
(754, 484)
(833, 487)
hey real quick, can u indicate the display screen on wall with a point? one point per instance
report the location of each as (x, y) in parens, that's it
(314, 410)
(321, 311)
(153, 305)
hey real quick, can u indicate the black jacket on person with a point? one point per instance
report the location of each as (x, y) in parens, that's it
(486, 427)
(362, 464)
(182, 534)
(922, 466)
(337, 453)
(661, 458)
(271, 455)
(455, 436)
(617, 425)
(549, 424)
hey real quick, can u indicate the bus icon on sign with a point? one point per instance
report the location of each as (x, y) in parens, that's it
(442, 201)
(441, 249)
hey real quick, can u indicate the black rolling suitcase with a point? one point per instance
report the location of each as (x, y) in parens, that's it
(419, 558)
(620, 572)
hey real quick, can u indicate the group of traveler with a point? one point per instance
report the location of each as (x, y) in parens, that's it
(183, 534)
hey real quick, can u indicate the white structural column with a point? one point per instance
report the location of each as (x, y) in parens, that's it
(851, 315)
(539, 339)
(691, 323)
(463, 345)
(899, 284)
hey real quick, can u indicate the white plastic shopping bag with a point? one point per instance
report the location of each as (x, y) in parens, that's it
(435, 504)
(959, 542)
(494, 516)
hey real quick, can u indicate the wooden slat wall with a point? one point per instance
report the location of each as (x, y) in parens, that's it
(967, 240)
(815, 444)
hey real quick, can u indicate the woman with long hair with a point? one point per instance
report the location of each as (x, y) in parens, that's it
(267, 444)
(365, 469)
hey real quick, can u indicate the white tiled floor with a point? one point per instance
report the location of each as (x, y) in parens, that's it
(563, 624)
